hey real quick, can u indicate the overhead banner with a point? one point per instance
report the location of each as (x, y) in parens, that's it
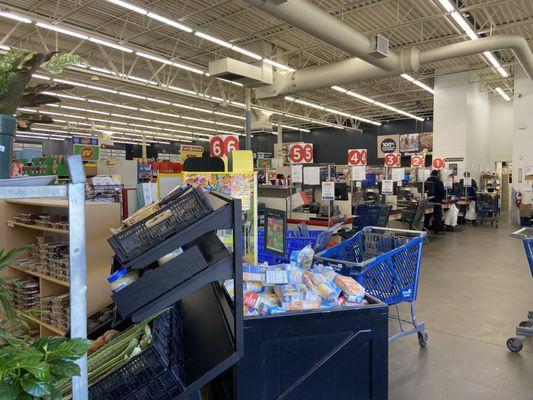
(409, 143)
(190, 151)
(357, 157)
(425, 143)
(388, 144)
(87, 148)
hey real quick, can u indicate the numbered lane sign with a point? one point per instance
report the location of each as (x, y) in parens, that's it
(301, 153)
(418, 160)
(357, 157)
(393, 160)
(223, 145)
(438, 162)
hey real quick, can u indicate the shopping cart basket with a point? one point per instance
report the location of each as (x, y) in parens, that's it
(371, 215)
(525, 328)
(487, 208)
(387, 263)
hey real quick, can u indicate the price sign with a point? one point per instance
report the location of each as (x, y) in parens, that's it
(357, 157)
(301, 153)
(393, 160)
(438, 162)
(223, 145)
(418, 160)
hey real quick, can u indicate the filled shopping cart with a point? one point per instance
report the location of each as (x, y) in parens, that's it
(387, 263)
(487, 208)
(525, 328)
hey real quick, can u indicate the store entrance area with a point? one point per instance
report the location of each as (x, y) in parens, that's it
(473, 290)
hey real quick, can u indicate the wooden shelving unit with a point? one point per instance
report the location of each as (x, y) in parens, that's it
(100, 217)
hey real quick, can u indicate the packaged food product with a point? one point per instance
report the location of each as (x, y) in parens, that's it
(327, 289)
(305, 257)
(351, 289)
(122, 278)
(287, 293)
(309, 293)
(328, 272)
(301, 305)
(229, 285)
(253, 286)
(295, 274)
(254, 273)
(166, 258)
(277, 275)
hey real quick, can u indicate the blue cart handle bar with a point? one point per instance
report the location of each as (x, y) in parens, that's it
(406, 231)
(524, 233)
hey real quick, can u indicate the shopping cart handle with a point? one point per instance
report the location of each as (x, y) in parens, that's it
(524, 233)
(418, 233)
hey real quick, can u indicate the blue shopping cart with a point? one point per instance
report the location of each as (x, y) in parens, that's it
(525, 328)
(387, 263)
(371, 215)
(487, 208)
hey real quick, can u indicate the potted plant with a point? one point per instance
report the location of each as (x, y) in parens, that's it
(16, 69)
(32, 370)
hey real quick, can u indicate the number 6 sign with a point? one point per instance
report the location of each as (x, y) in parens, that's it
(301, 153)
(357, 157)
(223, 145)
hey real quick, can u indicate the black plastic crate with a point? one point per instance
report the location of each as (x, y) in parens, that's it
(172, 217)
(160, 363)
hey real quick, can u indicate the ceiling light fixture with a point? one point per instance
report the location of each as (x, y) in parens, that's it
(15, 17)
(213, 39)
(62, 30)
(500, 91)
(110, 44)
(417, 83)
(170, 22)
(129, 6)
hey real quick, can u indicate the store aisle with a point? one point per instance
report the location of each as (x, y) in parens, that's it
(475, 286)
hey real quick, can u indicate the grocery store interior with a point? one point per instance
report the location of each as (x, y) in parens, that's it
(266, 199)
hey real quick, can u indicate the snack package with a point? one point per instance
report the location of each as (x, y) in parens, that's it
(287, 293)
(277, 275)
(328, 272)
(254, 273)
(250, 311)
(305, 257)
(252, 286)
(301, 305)
(309, 293)
(264, 303)
(352, 290)
(327, 289)
(295, 274)
(229, 285)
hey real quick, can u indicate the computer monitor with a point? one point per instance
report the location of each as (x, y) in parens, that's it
(341, 191)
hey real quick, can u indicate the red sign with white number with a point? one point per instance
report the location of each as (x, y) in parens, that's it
(357, 157)
(223, 145)
(301, 153)
(418, 160)
(393, 160)
(438, 162)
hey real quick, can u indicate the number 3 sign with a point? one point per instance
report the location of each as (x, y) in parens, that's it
(393, 160)
(223, 145)
(301, 153)
(357, 157)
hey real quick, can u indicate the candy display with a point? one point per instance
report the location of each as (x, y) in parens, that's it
(55, 310)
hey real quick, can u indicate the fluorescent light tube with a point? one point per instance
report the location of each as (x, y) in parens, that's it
(278, 65)
(246, 52)
(170, 22)
(129, 6)
(15, 17)
(213, 39)
(155, 58)
(62, 30)
(503, 94)
(110, 44)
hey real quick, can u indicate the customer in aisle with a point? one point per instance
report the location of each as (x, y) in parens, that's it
(438, 195)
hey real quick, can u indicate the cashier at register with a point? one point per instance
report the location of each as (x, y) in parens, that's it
(438, 195)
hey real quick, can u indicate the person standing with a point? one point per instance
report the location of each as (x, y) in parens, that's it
(438, 195)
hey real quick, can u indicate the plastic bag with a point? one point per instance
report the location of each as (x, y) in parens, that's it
(451, 215)
(471, 212)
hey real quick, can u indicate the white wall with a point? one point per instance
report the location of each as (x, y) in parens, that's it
(501, 130)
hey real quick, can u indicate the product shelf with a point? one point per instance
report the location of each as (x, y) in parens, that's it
(42, 276)
(37, 321)
(13, 224)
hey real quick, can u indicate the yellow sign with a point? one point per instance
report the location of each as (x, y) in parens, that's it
(189, 151)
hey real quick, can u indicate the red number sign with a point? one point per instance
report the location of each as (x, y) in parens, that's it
(357, 157)
(87, 153)
(301, 153)
(418, 160)
(223, 145)
(393, 160)
(438, 162)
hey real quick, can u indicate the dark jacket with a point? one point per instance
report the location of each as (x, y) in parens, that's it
(438, 187)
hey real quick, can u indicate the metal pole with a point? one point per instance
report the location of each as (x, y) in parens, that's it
(78, 269)
(143, 147)
(248, 127)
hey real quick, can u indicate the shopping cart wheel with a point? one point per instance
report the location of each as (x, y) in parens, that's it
(526, 324)
(423, 338)
(515, 344)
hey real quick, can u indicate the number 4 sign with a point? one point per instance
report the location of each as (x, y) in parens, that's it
(357, 157)
(223, 145)
(301, 153)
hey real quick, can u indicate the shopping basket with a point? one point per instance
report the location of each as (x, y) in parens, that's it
(387, 263)
(487, 208)
(371, 215)
(525, 328)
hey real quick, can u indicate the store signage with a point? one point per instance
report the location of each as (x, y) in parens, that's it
(393, 160)
(454, 159)
(223, 145)
(418, 160)
(358, 173)
(264, 163)
(357, 157)
(190, 151)
(328, 190)
(301, 153)
(87, 148)
(388, 144)
(387, 186)
(438, 162)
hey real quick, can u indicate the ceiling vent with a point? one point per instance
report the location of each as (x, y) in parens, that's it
(380, 46)
(241, 72)
(260, 122)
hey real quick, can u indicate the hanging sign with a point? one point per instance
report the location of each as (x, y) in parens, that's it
(301, 153)
(418, 160)
(87, 148)
(387, 186)
(358, 173)
(438, 162)
(264, 163)
(190, 151)
(398, 174)
(328, 190)
(393, 160)
(387, 144)
(357, 157)
(223, 145)
(297, 173)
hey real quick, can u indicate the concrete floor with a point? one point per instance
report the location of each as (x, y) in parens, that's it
(475, 286)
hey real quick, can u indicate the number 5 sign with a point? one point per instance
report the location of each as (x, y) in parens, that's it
(393, 160)
(301, 153)
(357, 157)
(418, 160)
(223, 145)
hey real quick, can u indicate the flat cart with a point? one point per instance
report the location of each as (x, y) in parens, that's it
(386, 262)
(487, 208)
(525, 328)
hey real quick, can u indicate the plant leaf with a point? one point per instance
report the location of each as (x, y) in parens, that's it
(34, 387)
(59, 62)
(50, 342)
(41, 371)
(8, 391)
(64, 369)
(55, 394)
(22, 358)
(37, 99)
(71, 349)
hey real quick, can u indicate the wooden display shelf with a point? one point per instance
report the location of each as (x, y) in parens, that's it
(12, 224)
(37, 321)
(42, 276)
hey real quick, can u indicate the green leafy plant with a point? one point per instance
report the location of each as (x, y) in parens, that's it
(32, 371)
(6, 259)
